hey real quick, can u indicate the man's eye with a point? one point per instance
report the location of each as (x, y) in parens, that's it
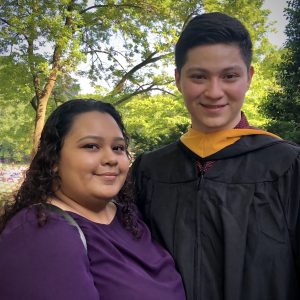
(198, 76)
(230, 76)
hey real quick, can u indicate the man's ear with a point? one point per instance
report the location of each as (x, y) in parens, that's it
(177, 79)
(250, 75)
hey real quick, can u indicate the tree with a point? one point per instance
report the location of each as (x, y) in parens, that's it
(121, 37)
(263, 83)
(156, 121)
(283, 106)
(16, 114)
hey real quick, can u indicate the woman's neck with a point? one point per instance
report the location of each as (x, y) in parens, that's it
(103, 214)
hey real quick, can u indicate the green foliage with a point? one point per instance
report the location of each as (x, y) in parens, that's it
(250, 12)
(128, 43)
(154, 121)
(282, 107)
(32, 26)
(17, 114)
(145, 117)
(263, 83)
(136, 42)
(124, 39)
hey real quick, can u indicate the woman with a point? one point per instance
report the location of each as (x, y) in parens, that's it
(80, 167)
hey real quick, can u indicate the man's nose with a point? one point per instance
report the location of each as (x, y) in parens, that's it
(214, 89)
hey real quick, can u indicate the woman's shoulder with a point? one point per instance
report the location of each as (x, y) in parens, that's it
(22, 219)
(47, 255)
(24, 226)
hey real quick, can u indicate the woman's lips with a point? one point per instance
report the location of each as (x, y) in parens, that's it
(108, 175)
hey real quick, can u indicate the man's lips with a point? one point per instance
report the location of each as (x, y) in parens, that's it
(211, 106)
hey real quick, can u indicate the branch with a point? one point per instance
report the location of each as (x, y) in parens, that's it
(35, 76)
(108, 54)
(151, 87)
(136, 92)
(68, 21)
(150, 59)
(164, 91)
(189, 17)
(4, 21)
(110, 6)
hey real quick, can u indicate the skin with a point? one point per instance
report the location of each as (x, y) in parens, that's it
(213, 82)
(93, 166)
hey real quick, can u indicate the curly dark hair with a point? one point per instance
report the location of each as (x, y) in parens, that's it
(40, 178)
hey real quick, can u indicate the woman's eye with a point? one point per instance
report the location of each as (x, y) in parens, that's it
(119, 148)
(91, 146)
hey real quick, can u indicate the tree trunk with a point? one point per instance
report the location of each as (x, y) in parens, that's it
(41, 110)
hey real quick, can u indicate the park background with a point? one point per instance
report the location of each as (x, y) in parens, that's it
(122, 52)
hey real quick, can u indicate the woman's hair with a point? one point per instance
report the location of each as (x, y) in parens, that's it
(40, 178)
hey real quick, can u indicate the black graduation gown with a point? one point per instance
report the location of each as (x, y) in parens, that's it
(233, 231)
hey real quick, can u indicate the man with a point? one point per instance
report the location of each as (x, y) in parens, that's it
(224, 199)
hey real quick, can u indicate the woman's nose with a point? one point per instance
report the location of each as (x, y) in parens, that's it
(108, 157)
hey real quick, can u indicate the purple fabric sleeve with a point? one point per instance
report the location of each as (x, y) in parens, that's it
(43, 263)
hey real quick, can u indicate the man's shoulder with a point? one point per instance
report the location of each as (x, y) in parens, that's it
(170, 157)
(281, 147)
(163, 151)
(263, 145)
(171, 153)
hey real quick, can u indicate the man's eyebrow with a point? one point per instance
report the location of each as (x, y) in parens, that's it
(193, 69)
(199, 69)
(232, 68)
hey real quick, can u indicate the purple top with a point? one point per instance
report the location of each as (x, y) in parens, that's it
(50, 262)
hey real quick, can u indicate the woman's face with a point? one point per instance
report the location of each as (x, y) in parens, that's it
(93, 163)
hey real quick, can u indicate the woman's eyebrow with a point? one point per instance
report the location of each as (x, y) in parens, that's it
(99, 138)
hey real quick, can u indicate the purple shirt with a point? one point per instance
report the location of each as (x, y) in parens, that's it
(50, 262)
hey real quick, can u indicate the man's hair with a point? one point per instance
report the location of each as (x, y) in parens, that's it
(213, 28)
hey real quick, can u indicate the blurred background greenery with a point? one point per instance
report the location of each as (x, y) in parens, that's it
(125, 50)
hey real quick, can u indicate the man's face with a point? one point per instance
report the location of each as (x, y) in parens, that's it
(213, 83)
